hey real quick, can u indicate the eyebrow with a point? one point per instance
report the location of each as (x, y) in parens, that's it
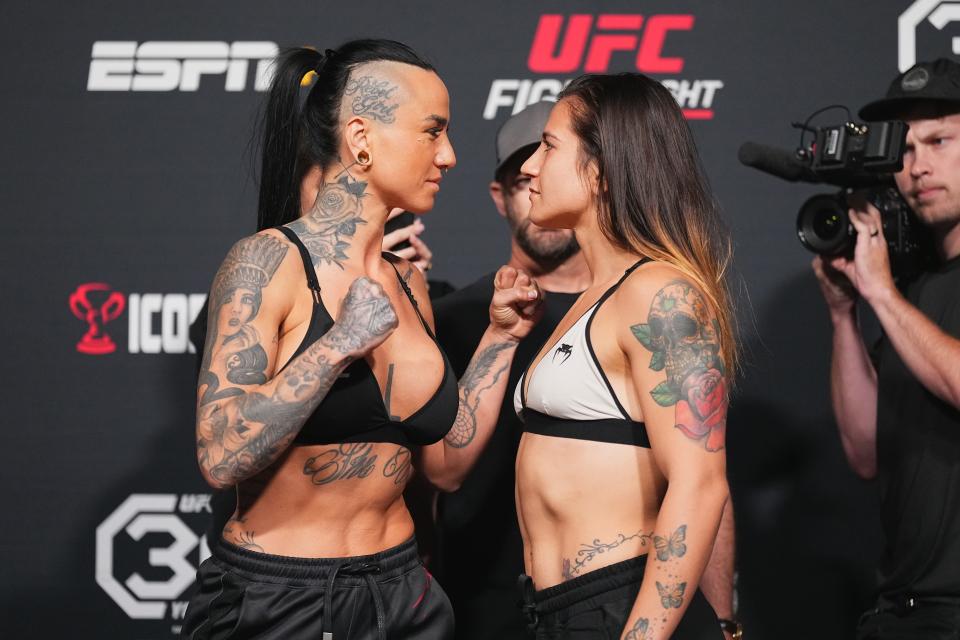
(547, 134)
(440, 120)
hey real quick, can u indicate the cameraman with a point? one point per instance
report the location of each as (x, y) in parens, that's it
(898, 409)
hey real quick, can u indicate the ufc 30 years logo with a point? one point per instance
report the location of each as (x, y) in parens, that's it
(147, 555)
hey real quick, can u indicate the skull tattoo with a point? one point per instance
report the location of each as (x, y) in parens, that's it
(684, 341)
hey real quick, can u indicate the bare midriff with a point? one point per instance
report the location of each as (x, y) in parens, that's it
(326, 501)
(583, 505)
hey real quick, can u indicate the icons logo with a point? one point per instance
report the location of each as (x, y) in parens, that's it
(96, 341)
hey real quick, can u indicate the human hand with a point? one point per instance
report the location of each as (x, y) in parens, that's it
(837, 289)
(517, 303)
(365, 320)
(417, 250)
(869, 271)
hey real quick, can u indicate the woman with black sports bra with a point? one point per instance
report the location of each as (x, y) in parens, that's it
(621, 468)
(322, 382)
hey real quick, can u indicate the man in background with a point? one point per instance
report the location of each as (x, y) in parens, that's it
(898, 408)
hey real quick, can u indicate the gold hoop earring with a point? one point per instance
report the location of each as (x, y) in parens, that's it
(363, 157)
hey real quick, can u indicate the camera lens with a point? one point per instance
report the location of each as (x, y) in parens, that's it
(823, 225)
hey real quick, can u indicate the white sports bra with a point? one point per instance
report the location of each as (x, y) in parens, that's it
(569, 396)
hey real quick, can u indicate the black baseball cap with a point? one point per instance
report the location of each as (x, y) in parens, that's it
(936, 82)
(522, 130)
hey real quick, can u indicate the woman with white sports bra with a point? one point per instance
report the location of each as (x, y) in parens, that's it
(621, 471)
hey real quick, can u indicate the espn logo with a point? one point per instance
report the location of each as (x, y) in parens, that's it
(178, 66)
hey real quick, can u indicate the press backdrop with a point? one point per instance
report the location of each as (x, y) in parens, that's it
(126, 176)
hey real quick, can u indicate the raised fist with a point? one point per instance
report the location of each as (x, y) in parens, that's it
(365, 320)
(517, 303)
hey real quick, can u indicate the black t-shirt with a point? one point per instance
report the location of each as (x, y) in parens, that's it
(481, 551)
(918, 455)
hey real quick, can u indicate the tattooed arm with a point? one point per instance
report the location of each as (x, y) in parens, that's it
(245, 420)
(514, 310)
(672, 343)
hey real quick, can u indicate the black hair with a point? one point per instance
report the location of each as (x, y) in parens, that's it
(295, 138)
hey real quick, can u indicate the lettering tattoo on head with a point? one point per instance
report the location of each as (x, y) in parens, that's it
(373, 98)
(684, 341)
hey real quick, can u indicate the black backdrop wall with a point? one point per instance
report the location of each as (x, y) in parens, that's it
(125, 177)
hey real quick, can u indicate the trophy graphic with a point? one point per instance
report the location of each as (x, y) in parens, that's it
(95, 341)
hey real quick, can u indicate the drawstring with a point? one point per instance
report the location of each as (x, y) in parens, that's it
(365, 569)
(328, 601)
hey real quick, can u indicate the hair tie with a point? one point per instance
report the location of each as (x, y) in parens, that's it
(308, 79)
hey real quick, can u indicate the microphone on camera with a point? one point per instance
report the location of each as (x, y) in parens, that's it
(777, 162)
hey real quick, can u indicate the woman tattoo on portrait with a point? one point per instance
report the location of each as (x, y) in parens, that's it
(236, 296)
(587, 552)
(261, 423)
(684, 341)
(333, 218)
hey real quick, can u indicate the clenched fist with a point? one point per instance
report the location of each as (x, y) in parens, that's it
(365, 320)
(517, 303)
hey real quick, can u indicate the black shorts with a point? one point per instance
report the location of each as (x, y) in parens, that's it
(597, 604)
(906, 617)
(244, 594)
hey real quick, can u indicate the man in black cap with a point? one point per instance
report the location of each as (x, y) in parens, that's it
(898, 408)
(480, 552)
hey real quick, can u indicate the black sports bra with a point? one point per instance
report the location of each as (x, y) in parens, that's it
(353, 409)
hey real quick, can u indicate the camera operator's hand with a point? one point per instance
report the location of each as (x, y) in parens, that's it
(837, 289)
(869, 271)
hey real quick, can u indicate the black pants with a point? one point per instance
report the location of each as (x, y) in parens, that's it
(597, 604)
(390, 594)
(909, 617)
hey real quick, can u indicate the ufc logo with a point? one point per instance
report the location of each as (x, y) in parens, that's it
(173, 66)
(589, 44)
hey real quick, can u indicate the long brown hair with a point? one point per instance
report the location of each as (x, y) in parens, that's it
(655, 199)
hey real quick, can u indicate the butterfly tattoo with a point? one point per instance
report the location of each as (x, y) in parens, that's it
(639, 630)
(673, 546)
(671, 597)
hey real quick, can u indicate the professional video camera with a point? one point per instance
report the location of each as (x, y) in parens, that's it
(856, 157)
